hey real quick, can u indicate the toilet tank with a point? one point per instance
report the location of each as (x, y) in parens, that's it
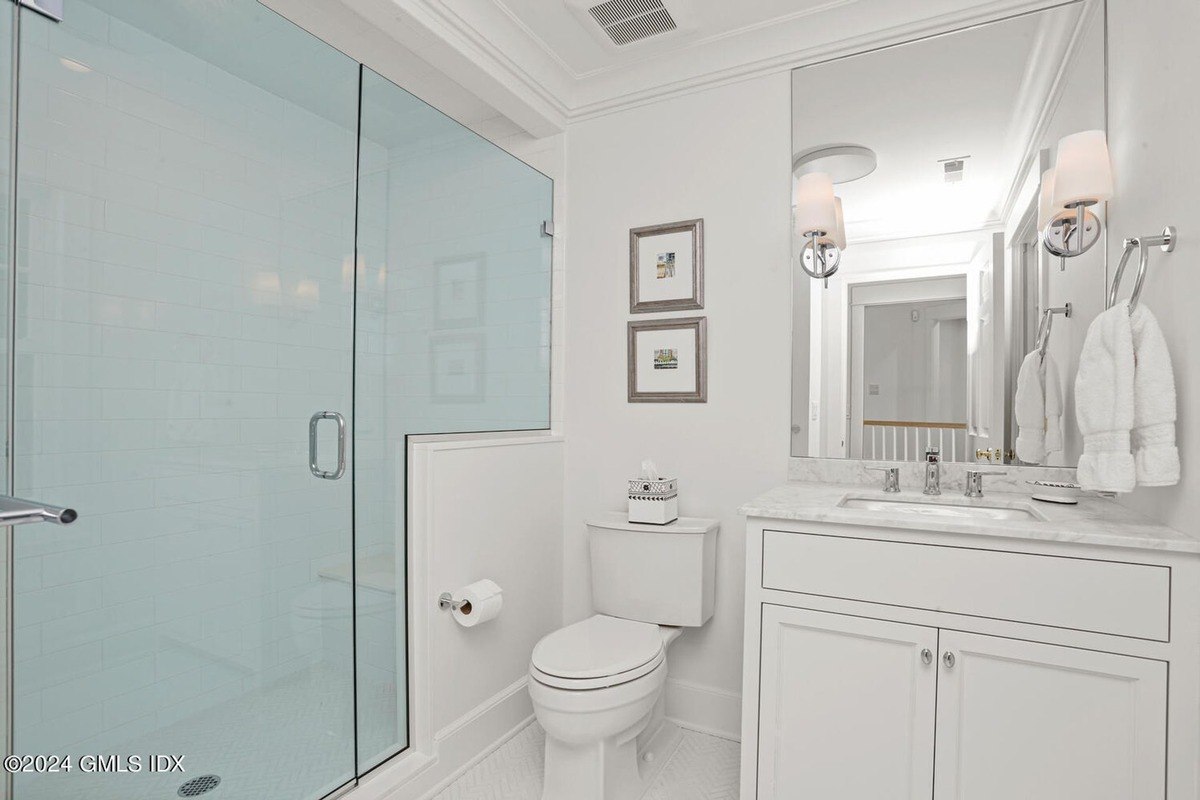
(664, 574)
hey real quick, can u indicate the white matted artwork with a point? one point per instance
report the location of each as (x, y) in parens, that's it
(668, 361)
(456, 368)
(666, 267)
(458, 300)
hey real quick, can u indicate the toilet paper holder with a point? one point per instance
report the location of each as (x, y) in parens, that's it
(446, 602)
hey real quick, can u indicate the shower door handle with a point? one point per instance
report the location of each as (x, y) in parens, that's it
(313, 464)
(15, 511)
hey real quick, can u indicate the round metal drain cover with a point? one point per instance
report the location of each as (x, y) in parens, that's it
(198, 786)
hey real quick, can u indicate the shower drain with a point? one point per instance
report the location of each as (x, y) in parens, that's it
(198, 786)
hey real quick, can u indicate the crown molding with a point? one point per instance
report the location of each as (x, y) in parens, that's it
(530, 92)
(484, 47)
(612, 99)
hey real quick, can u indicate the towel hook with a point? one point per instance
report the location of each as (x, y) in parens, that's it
(1047, 324)
(1164, 241)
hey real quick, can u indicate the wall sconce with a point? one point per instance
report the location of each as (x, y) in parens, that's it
(1081, 177)
(819, 222)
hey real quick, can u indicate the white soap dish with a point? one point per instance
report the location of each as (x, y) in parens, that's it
(1056, 492)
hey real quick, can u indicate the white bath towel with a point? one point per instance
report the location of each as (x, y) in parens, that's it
(1054, 405)
(1038, 409)
(1029, 406)
(1104, 403)
(1154, 452)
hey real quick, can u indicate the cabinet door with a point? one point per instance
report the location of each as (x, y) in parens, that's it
(1041, 722)
(846, 707)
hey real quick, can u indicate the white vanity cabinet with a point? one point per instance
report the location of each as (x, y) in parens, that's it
(885, 663)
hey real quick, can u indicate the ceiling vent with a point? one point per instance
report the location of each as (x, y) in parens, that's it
(624, 22)
(628, 21)
(953, 168)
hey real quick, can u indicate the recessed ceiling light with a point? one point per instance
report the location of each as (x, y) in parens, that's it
(74, 65)
(842, 162)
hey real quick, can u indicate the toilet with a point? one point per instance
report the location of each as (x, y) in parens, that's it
(597, 685)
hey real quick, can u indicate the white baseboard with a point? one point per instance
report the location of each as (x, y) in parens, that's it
(457, 747)
(705, 709)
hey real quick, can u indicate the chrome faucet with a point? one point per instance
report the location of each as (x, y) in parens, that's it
(933, 471)
(891, 478)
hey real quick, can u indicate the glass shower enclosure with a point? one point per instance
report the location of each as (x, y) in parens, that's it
(241, 269)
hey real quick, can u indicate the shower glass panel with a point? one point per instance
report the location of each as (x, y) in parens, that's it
(8, 16)
(453, 336)
(185, 297)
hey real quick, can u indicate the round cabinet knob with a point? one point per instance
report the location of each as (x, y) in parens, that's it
(927, 656)
(948, 659)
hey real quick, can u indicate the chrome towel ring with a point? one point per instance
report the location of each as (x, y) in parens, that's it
(1165, 242)
(1047, 324)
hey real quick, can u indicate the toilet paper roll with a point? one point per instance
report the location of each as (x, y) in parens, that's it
(481, 601)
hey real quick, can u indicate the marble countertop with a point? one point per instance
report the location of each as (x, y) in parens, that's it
(1094, 520)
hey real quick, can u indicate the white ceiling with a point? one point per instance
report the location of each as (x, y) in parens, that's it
(982, 93)
(575, 44)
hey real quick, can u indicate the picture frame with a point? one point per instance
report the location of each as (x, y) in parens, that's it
(459, 291)
(666, 267)
(668, 360)
(457, 368)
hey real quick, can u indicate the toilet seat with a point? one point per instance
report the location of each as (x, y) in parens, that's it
(598, 652)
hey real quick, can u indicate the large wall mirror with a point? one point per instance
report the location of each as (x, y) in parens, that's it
(936, 149)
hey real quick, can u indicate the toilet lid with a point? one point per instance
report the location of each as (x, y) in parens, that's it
(598, 647)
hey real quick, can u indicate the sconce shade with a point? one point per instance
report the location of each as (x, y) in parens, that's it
(1083, 169)
(839, 229)
(815, 207)
(1046, 207)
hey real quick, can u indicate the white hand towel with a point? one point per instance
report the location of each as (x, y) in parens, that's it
(1054, 405)
(1154, 451)
(1030, 410)
(1104, 403)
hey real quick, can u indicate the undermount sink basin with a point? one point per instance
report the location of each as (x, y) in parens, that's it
(944, 509)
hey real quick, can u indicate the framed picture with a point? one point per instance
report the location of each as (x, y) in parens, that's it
(458, 292)
(668, 361)
(456, 368)
(666, 267)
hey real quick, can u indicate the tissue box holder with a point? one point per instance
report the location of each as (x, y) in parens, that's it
(654, 501)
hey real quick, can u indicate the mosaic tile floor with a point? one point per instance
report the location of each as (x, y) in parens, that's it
(702, 768)
(238, 741)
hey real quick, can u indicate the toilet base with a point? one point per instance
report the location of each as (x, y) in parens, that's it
(611, 769)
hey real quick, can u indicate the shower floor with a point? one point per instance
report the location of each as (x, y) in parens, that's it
(702, 767)
(239, 742)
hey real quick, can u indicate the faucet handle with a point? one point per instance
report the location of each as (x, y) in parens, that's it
(891, 478)
(975, 480)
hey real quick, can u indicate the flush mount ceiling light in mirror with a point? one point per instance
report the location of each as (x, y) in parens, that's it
(1081, 178)
(842, 162)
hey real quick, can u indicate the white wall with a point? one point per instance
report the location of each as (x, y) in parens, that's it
(1153, 119)
(724, 155)
(467, 685)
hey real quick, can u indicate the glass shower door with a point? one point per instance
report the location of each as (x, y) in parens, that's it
(185, 213)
